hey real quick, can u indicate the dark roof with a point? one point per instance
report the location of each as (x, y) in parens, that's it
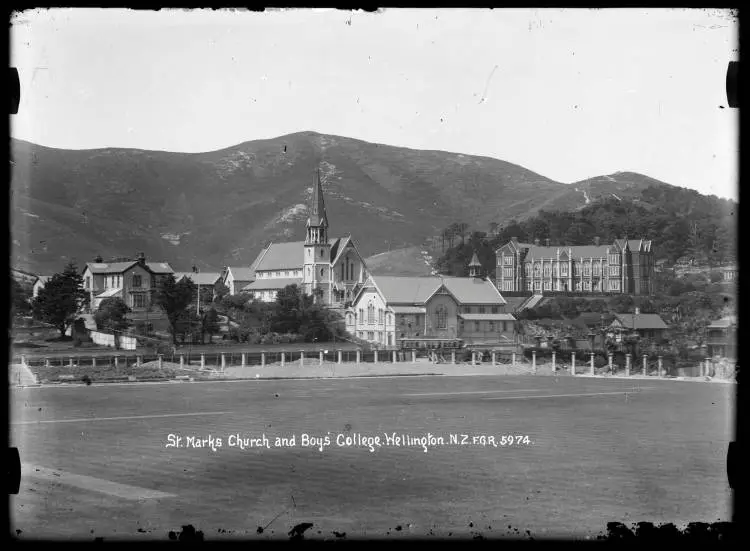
(641, 321)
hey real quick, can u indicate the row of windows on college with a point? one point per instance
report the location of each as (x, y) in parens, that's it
(537, 285)
(552, 270)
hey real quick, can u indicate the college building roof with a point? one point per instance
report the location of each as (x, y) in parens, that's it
(417, 290)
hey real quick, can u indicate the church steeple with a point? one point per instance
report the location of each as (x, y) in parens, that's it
(317, 222)
(475, 267)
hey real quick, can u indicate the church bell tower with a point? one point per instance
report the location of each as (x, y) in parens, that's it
(316, 275)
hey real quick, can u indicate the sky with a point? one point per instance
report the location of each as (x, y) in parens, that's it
(569, 94)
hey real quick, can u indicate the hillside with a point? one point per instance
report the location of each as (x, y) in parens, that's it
(218, 208)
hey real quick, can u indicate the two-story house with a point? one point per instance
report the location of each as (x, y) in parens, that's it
(134, 281)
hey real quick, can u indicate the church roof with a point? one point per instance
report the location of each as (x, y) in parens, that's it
(318, 208)
(290, 255)
(201, 278)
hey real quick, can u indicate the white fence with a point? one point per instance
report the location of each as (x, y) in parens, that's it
(106, 339)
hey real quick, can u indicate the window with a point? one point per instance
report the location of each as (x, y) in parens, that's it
(614, 270)
(370, 313)
(587, 268)
(578, 285)
(547, 285)
(388, 319)
(360, 334)
(576, 269)
(507, 272)
(476, 326)
(547, 270)
(538, 285)
(507, 285)
(564, 269)
(361, 315)
(139, 300)
(481, 309)
(88, 282)
(370, 336)
(597, 268)
(614, 285)
(136, 281)
(508, 260)
(528, 285)
(614, 259)
(380, 315)
(504, 327)
(321, 253)
(537, 269)
(586, 285)
(321, 272)
(527, 269)
(555, 269)
(494, 309)
(442, 317)
(492, 326)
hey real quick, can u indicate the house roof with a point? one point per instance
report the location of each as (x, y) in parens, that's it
(589, 319)
(272, 283)
(109, 267)
(42, 279)
(201, 278)
(514, 302)
(641, 321)
(160, 267)
(417, 290)
(487, 317)
(110, 293)
(242, 273)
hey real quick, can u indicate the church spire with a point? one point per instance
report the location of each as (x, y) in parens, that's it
(475, 266)
(318, 208)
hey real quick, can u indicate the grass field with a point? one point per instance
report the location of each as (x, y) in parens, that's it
(96, 461)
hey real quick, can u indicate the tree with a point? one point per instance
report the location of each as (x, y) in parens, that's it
(210, 323)
(291, 304)
(61, 298)
(174, 298)
(112, 316)
(20, 304)
(220, 291)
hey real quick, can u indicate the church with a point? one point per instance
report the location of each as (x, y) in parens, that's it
(330, 269)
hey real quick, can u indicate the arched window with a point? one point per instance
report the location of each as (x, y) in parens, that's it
(442, 317)
(370, 313)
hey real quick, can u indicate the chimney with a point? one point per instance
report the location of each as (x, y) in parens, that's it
(536, 241)
(596, 240)
(195, 269)
(546, 242)
(141, 258)
(637, 311)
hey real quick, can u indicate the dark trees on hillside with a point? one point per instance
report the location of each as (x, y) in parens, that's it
(61, 298)
(174, 298)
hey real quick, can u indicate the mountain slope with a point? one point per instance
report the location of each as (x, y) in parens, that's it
(218, 208)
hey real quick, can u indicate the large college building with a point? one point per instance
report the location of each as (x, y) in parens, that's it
(329, 268)
(626, 266)
(431, 312)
